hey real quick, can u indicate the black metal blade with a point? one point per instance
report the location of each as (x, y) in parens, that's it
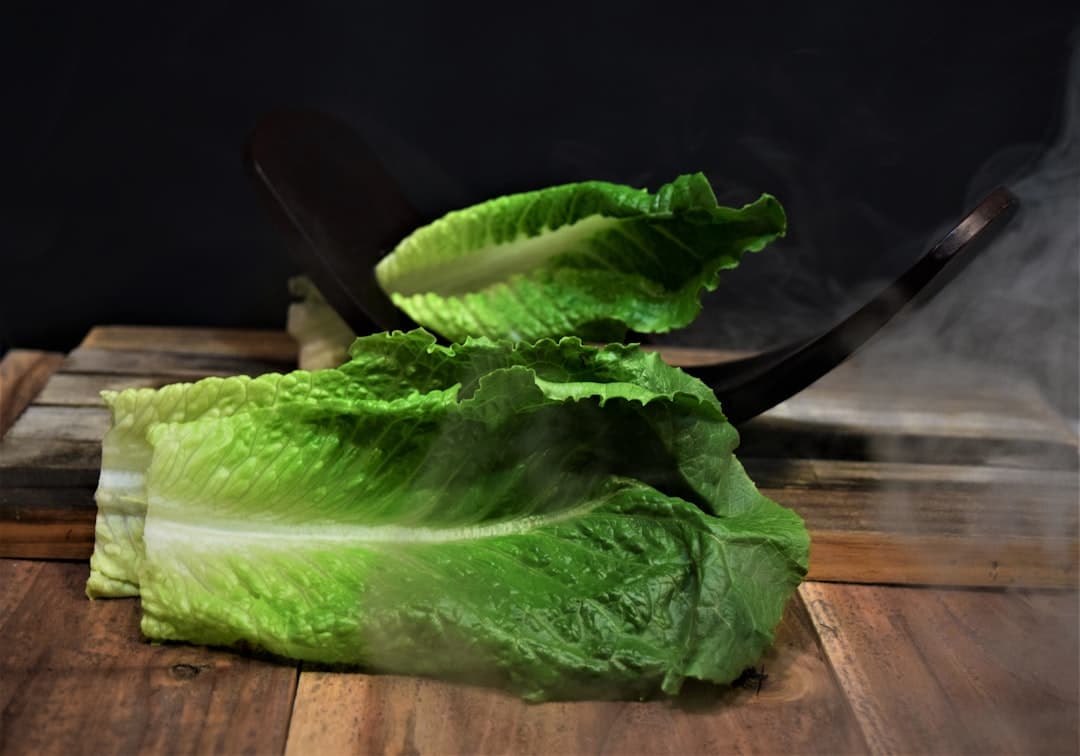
(339, 210)
(746, 388)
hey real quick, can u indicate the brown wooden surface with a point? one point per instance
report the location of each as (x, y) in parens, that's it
(23, 373)
(271, 345)
(855, 668)
(947, 481)
(75, 677)
(954, 671)
(36, 523)
(799, 709)
(913, 559)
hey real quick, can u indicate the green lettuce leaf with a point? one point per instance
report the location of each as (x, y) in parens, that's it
(556, 519)
(590, 259)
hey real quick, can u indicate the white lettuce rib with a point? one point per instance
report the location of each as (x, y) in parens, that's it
(406, 272)
(164, 529)
(121, 481)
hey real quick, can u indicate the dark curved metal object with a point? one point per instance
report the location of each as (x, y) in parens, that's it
(338, 208)
(747, 387)
(341, 211)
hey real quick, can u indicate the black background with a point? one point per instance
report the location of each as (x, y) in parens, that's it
(126, 200)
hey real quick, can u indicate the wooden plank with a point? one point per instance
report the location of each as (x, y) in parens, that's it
(924, 499)
(772, 436)
(76, 677)
(175, 365)
(935, 671)
(22, 375)
(859, 474)
(61, 424)
(17, 577)
(941, 512)
(84, 389)
(927, 559)
(799, 709)
(255, 344)
(48, 523)
(920, 417)
(49, 462)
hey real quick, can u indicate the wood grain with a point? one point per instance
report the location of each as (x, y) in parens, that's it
(76, 677)
(49, 463)
(954, 672)
(17, 576)
(23, 373)
(174, 365)
(800, 709)
(924, 499)
(61, 424)
(775, 437)
(869, 557)
(255, 344)
(47, 523)
(84, 389)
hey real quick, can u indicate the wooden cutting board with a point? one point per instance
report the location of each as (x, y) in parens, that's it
(853, 669)
(955, 480)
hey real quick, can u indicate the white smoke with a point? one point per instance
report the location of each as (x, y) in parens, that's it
(1014, 312)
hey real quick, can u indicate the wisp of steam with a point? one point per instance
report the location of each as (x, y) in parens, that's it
(1014, 312)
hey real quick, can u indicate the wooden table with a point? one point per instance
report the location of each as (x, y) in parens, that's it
(858, 666)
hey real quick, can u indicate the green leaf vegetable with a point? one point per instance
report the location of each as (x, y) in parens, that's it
(591, 259)
(560, 520)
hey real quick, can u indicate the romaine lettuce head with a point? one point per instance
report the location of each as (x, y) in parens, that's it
(590, 259)
(559, 520)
